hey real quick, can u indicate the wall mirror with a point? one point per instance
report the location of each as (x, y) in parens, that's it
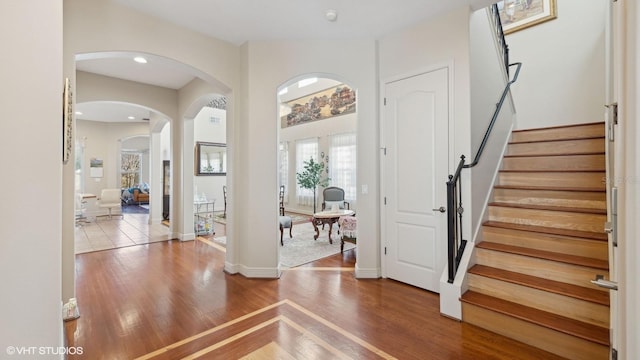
(211, 158)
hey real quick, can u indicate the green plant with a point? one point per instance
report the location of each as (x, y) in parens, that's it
(311, 177)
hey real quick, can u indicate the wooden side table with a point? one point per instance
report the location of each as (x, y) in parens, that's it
(328, 217)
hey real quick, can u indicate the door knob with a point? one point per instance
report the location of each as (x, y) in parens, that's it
(441, 209)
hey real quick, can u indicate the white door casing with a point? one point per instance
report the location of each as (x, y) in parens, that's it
(414, 171)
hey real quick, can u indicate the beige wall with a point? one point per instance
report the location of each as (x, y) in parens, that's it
(101, 141)
(562, 79)
(267, 66)
(31, 147)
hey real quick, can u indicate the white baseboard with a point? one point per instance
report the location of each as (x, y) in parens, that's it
(371, 273)
(186, 237)
(267, 273)
(230, 268)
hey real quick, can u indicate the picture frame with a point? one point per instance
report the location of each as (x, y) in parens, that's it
(516, 15)
(67, 121)
(334, 101)
(210, 159)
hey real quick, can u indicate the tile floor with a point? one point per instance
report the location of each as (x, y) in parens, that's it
(104, 233)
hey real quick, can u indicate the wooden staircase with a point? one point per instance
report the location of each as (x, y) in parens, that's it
(543, 243)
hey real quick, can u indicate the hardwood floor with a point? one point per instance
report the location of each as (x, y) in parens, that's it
(172, 300)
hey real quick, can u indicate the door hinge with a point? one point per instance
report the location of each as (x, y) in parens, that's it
(385, 200)
(384, 151)
(385, 250)
(611, 227)
(385, 101)
(613, 119)
(614, 352)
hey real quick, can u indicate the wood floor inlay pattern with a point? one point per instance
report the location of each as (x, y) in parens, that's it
(288, 329)
(173, 300)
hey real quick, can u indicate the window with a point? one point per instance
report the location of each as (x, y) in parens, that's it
(130, 169)
(342, 163)
(305, 149)
(283, 175)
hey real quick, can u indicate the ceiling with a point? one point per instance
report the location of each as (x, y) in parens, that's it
(239, 21)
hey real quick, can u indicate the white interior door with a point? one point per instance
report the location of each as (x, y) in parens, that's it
(415, 138)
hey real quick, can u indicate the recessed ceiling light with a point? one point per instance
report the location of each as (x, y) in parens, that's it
(331, 15)
(140, 60)
(131, 117)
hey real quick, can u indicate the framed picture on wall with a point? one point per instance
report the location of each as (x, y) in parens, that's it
(520, 14)
(211, 159)
(325, 104)
(67, 121)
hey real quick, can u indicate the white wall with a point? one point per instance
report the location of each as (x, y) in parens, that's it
(562, 79)
(102, 141)
(93, 87)
(30, 250)
(488, 79)
(207, 131)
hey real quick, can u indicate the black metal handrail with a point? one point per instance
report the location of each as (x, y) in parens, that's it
(455, 243)
(500, 33)
(495, 116)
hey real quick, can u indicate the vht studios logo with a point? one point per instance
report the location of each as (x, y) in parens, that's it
(43, 350)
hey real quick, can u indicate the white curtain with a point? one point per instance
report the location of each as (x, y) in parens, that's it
(283, 175)
(305, 150)
(342, 163)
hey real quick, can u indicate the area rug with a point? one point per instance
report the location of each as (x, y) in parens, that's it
(302, 249)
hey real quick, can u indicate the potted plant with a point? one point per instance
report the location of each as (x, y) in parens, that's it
(311, 177)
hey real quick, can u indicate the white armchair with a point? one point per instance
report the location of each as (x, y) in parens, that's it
(110, 200)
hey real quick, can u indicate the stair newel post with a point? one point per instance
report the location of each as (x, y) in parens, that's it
(459, 211)
(451, 228)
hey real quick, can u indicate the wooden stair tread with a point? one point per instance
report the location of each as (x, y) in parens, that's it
(549, 188)
(549, 208)
(546, 255)
(549, 230)
(553, 155)
(553, 140)
(559, 323)
(553, 171)
(557, 287)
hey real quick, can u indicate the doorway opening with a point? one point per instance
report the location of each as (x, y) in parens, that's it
(317, 125)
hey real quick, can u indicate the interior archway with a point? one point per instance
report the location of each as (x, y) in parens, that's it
(124, 100)
(317, 119)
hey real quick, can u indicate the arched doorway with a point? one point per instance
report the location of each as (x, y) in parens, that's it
(317, 125)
